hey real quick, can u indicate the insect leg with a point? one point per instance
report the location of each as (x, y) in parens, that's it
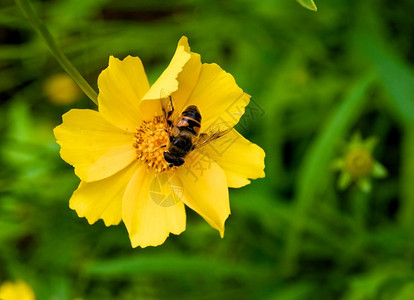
(172, 106)
(160, 147)
(169, 114)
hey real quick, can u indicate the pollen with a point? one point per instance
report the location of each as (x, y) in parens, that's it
(150, 142)
(359, 162)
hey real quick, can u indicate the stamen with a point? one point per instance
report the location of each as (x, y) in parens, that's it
(148, 140)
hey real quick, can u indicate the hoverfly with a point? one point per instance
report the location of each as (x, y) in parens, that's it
(184, 132)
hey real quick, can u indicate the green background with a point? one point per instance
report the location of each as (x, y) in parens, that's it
(315, 78)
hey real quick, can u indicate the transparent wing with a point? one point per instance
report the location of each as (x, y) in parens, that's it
(167, 104)
(206, 138)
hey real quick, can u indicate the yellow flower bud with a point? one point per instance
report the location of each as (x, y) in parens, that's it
(359, 162)
(357, 165)
(60, 89)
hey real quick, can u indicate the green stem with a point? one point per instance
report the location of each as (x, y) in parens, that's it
(359, 202)
(37, 24)
(406, 213)
(315, 166)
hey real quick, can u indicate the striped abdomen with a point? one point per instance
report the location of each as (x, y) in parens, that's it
(190, 120)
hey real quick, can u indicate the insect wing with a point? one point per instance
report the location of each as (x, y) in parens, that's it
(166, 106)
(206, 138)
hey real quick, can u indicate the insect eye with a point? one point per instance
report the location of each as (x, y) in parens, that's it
(168, 157)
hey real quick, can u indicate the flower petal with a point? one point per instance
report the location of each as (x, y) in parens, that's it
(102, 199)
(364, 184)
(379, 171)
(238, 157)
(187, 78)
(148, 221)
(167, 83)
(121, 87)
(205, 189)
(92, 145)
(344, 180)
(218, 98)
(16, 291)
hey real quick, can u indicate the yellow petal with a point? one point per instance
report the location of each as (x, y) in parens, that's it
(167, 83)
(92, 145)
(218, 97)
(187, 78)
(102, 199)
(149, 221)
(204, 189)
(238, 157)
(121, 87)
(16, 291)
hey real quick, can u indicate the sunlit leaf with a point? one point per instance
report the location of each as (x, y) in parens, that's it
(309, 4)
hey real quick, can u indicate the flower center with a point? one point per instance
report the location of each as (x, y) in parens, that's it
(149, 138)
(359, 162)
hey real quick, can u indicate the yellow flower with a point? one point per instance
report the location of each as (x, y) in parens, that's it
(60, 89)
(16, 291)
(358, 165)
(116, 151)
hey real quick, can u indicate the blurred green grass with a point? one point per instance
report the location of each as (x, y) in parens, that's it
(315, 78)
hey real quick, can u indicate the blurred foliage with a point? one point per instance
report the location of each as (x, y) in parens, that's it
(315, 78)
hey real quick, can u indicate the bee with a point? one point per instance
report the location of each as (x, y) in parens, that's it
(184, 132)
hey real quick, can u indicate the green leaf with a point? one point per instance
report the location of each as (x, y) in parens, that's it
(309, 4)
(170, 265)
(395, 74)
